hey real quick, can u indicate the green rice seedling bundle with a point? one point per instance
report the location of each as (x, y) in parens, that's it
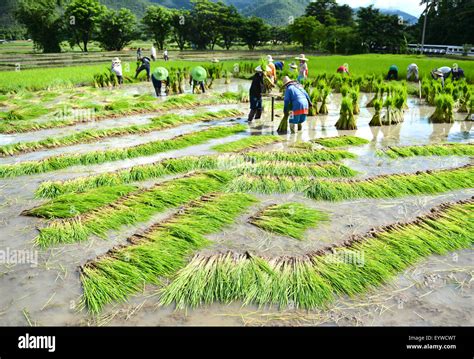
(299, 156)
(444, 109)
(74, 204)
(447, 149)
(314, 95)
(160, 251)
(346, 119)
(288, 219)
(158, 123)
(390, 116)
(97, 157)
(135, 208)
(171, 166)
(470, 115)
(464, 101)
(399, 103)
(354, 94)
(377, 96)
(376, 119)
(392, 186)
(269, 184)
(247, 143)
(341, 141)
(314, 280)
(345, 90)
(325, 92)
(275, 168)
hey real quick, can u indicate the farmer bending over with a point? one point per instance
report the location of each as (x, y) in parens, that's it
(257, 88)
(441, 73)
(392, 73)
(458, 73)
(343, 70)
(117, 69)
(412, 71)
(296, 100)
(197, 78)
(160, 76)
(144, 66)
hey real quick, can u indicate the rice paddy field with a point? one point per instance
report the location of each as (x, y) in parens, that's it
(119, 208)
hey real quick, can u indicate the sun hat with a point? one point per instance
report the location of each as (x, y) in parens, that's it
(160, 73)
(116, 59)
(293, 66)
(269, 58)
(286, 80)
(215, 60)
(199, 73)
(302, 57)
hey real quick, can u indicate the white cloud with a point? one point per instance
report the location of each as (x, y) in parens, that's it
(409, 6)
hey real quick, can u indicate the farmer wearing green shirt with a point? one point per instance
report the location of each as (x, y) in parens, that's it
(392, 73)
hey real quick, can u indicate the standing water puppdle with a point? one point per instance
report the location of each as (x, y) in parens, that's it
(257, 88)
(117, 69)
(145, 65)
(296, 100)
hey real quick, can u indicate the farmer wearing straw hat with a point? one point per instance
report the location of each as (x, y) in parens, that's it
(117, 69)
(296, 100)
(271, 73)
(293, 67)
(303, 68)
(257, 88)
(159, 76)
(198, 76)
(441, 73)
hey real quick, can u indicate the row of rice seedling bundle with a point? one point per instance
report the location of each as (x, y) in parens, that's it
(288, 219)
(346, 119)
(325, 92)
(137, 207)
(92, 135)
(444, 109)
(313, 281)
(300, 156)
(314, 95)
(390, 117)
(74, 204)
(447, 149)
(377, 118)
(160, 251)
(281, 168)
(55, 163)
(247, 143)
(390, 186)
(378, 95)
(340, 141)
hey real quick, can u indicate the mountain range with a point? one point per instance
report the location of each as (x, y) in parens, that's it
(275, 12)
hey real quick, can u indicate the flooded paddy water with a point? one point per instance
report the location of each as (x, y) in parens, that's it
(436, 291)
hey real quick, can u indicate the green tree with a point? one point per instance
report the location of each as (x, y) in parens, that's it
(307, 31)
(205, 27)
(44, 23)
(254, 32)
(117, 29)
(231, 20)
(157, 21)
(82, 18)
(180, 26)
(322, 10)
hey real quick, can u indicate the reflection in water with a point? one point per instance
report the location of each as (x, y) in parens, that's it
(440, 132)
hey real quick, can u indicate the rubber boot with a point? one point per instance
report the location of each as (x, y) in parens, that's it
(300, 127)
(251, 115)
(258, 114)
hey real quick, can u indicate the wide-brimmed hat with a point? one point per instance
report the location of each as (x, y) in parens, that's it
(302, 57)
(286, 81)
(199, 73)
(269, 58)
(215, 60)
(117, 60)
(160, 73)
(259, 69)
(293, 66)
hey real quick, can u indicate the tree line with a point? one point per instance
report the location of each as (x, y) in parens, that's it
(325, 26)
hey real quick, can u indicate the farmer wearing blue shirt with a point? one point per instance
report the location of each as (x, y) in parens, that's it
(279, 65)
(296, 100)
(392, 73)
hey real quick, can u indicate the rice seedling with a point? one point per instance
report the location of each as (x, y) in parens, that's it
(376, 119)
(390, 116)
(314, 95)
(390, 186)
(299, 156)
(137, 207)
(288, 219)
(444, 109)
(247, 143)
(159, 252)
(354, 94)
(325, 92)
(346, 119)
(447, 149)
(55, 163)
(275, 168)
(74, 204)
(341, 141)
(314, 280)
(158, 123)
(470, 115)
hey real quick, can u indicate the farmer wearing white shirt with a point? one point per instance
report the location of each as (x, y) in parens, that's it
(412, 70)
(117, 69)
(153, 53)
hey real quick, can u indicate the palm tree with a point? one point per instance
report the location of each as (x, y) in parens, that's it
(430, 5)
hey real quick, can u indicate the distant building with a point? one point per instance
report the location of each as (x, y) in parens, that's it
(440, 49)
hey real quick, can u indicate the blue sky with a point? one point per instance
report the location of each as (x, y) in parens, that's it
(409, 6)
